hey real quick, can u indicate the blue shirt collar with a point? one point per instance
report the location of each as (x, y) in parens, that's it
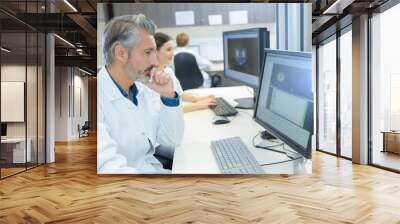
(132, 90)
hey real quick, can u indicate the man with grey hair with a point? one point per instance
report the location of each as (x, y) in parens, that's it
(131, 124)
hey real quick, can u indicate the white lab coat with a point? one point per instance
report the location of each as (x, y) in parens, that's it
(204, 64)
(128, 134)
(167, 152)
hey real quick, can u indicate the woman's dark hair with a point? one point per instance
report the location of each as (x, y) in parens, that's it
(161, 39)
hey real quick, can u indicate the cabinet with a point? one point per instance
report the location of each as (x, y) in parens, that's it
(391, 142)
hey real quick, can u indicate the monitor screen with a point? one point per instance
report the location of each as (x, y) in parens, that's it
(243, 53)
(243, 56)
(286, 102)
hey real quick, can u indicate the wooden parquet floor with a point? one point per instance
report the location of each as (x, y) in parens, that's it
(70, 191)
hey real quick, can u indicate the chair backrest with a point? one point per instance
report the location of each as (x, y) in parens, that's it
(86, 125)
(187, 71)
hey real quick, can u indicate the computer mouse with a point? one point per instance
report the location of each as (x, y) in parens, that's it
(220, 120)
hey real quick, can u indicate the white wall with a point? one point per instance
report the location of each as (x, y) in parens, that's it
(81, 84)
(61, 103)
(12, 101)
(210, 37)
(293, 22)
(12, 73)
(70, 83)
(34, 124)
(294, 27)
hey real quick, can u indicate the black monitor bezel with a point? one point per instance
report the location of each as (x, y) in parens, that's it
(263, 40)
(306, 152)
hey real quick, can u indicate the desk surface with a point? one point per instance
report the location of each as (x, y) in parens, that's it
(390, 132)
(194, 156)
(13, 140)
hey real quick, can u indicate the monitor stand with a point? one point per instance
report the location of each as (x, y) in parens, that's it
(290, 154)
(245, 103)
(266, 136)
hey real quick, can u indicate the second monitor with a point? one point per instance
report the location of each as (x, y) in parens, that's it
(285, 103)
(243, 58)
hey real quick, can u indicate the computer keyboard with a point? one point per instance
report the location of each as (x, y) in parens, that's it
(223, 108)
(234, 157)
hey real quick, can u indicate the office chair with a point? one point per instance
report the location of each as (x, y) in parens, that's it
(216, 80)
(187, 71)
(165, 155)
(84, 130)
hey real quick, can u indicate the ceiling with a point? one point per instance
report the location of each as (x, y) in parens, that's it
(329, 16)
(75, 22)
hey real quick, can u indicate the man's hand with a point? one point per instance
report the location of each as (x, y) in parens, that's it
(162, 83)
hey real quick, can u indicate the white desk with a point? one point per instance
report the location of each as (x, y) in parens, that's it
(194, 156)
(19, 149)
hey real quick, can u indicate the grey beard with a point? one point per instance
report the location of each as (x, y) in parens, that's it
(137, 77)
(143, 79)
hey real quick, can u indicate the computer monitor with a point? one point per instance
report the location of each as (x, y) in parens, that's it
(243, 57)
(285, 101)
(3, 129)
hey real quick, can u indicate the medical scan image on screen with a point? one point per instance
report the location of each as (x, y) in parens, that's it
(288, 96)
(243, 56)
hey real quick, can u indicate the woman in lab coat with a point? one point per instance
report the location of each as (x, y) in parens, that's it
(165, 55)
(131, 124)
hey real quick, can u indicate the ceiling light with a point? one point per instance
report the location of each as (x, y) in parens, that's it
(338, 6)
(86, 72)
(70, 5)
(5, 50)
(65, 41)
